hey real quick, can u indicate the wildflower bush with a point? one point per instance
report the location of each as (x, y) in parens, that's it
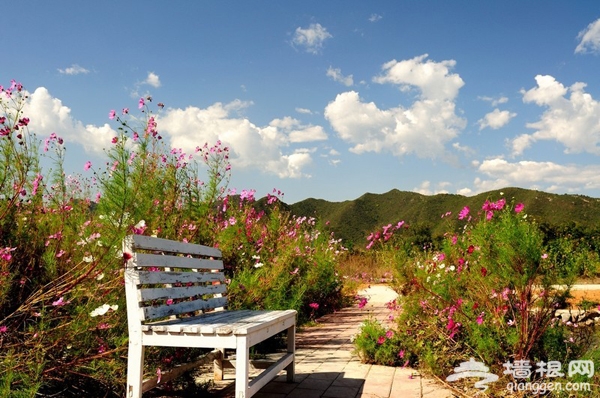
(490, 292)
(62, 309)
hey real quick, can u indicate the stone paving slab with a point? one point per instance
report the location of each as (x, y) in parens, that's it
(327, 367)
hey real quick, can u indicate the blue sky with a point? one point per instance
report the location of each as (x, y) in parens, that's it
(333, 99)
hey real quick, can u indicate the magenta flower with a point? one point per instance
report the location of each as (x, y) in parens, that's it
(141, 103)
(389, 334)
(112, 114)
(401, 354)
(314, 306)
(381, 340)
(519, 207)
(60, 302)
(480, 318)
(362, 302)
(87, 165)
(464, 213)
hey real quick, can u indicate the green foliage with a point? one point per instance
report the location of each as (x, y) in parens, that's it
(574, 215)
(487, 292)
(376, 344)
(63, 326)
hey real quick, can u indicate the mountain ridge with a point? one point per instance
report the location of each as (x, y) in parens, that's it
(353, 220)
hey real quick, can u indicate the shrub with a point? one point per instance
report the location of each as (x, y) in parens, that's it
(62, 318)
(489, 292)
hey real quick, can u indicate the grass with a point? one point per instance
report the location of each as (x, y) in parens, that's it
(361, 270)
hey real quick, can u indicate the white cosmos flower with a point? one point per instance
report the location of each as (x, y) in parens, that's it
(103, 309)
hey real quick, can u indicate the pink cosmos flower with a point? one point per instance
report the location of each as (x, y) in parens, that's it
(381, 340)
(314, 306)
(112, 114)
(362, 302)
(519, 207)
(87, 165)
(464, 213)
(401, 354)
(60, 302)
(141, 103)
(3, 329)
(480, 318)
(389, 334)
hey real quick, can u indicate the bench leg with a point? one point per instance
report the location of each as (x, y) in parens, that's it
(291, 348)
(218, 365)
(242, 361)
(135, 370)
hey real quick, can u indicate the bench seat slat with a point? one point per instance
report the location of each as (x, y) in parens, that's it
(150, 277)
(259, 322)
(179, 292)
(205, 323)
(166, 245)
(234, 322)
(160, 260)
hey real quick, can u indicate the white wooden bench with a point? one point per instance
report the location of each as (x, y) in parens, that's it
(175, 295)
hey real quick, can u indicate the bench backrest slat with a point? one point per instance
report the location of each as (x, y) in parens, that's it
(178, 292)
(166, 245)
(153, 278)
(160, 260)
(165, 278)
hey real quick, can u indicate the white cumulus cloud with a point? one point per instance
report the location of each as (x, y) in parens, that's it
(589, 38)
(336, 75)
(433, 79)
(375, 17)
(571, 117)
(424, 128)
(546, 176)
(153, 80)
(48, 115)
(268, 148)
(74, 70)
(496, 119)
(304, 111)
(311, 38)
(494, 101)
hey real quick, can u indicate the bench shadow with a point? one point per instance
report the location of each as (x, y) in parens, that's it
(306, 385)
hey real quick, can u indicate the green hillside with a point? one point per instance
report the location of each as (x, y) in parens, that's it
(353, 220)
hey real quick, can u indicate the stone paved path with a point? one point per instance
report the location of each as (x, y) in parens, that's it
(326, 366)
